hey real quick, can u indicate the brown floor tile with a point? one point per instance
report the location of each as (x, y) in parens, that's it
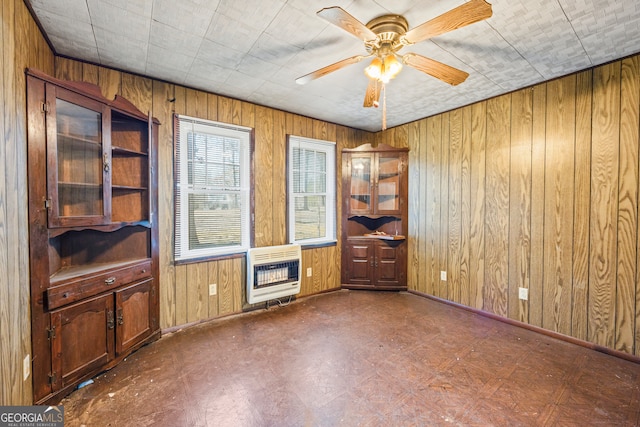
(358, 358)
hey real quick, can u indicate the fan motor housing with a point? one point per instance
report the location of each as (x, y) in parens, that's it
(388, 29)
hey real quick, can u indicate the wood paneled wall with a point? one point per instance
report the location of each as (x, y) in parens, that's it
(22, 46)
(536, 189)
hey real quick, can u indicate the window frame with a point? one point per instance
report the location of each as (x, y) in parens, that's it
(331, 190)
(182, 254)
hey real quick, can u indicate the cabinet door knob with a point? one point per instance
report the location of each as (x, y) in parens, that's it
(105, 162)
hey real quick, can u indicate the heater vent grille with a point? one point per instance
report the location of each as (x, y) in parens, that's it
(273, 272)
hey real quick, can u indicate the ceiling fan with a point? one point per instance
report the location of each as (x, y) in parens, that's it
(384, 36)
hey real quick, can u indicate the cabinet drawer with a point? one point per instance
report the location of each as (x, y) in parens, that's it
(76, 290)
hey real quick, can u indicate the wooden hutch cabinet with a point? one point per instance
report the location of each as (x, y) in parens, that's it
(374, 220)
(93, 236)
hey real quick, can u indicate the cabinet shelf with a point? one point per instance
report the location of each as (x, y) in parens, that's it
(68, 139)
(127, 188)
(385, 236)
(106, 228)
(79, 185)
(120, 151)
(79, 271)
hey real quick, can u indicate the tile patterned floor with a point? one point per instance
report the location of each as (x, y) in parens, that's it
(358, 358)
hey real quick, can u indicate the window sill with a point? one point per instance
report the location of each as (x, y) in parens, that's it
(318, 245)
(209, 258)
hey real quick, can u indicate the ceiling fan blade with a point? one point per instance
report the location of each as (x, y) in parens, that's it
(329, 69)
(441, 71)
(372, 95)
(341, 18)
(468, 13)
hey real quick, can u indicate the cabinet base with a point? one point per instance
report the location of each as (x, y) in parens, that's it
(373, 288)
(55, 398)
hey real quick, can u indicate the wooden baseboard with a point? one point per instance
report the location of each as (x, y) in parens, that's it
(557, 335)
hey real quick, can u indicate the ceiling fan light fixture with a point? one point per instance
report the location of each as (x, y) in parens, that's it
(383, 70)
(374, 70)
(392, 66)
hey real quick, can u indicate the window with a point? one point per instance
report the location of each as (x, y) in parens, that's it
(213, 186)
(311, 191)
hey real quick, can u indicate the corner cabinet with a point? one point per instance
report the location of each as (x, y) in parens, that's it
(93, 236)
(374, 220)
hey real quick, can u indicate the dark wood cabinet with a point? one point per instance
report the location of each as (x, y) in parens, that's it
(374, 223)
(93, 235)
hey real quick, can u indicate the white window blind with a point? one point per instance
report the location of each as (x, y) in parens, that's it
(213, 188)
(311, 191)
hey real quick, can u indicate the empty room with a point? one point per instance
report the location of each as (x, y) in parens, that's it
(306, 213)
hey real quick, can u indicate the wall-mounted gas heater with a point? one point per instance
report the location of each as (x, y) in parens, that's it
(273, 272)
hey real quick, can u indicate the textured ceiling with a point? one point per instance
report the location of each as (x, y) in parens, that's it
(254, 50)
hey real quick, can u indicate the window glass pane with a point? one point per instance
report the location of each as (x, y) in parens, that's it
(321, 162)
(310, 217)
(214, 220)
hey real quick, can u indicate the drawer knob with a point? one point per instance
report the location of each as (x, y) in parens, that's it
(110, 281)
(65, 295)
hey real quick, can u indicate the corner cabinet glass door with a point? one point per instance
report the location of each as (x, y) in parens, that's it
(78, 155)
(361, 184)
(388, 184)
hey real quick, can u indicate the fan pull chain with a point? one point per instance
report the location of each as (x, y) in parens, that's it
(384, 107)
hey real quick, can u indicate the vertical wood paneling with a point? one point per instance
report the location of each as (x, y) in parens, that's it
(212, 277)
(604, 204)
(225, 287)
(181, 294)
(279, 180)
(558, 214)
(454, 244)
(90, 73)
(263, 181)
(22, 46)
(432, 211)
(627, 205)
(8, 361)
(238, 266)
(537, 203)
(137, 90)
(109, 81)
(197, 292)
(495, 297)
(414, 237)
(162, 110)
(212, 106)
(581, 206)
(444, 209)
(68, 69)
(477, 203)
(422, 212)
(520, 202)
(225, 109)
(465, 207)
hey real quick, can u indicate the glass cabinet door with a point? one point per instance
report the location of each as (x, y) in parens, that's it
(388, 196)
(79, 162)
(360, 191)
